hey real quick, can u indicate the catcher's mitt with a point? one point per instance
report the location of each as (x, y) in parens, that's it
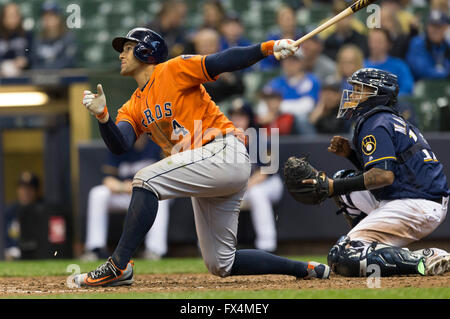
(297, 170)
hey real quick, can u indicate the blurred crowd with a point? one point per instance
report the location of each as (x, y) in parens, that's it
(52, 46)
(303, 95)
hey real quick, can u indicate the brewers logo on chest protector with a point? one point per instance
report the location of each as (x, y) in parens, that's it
(369, 145)
(171, 108)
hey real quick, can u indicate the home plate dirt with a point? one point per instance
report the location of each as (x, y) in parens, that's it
(14, 286)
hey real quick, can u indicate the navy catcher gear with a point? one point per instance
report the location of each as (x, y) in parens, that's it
(150, 48)
(384, 91)
(353, 258)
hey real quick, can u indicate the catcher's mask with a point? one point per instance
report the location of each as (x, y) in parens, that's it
(371, 88)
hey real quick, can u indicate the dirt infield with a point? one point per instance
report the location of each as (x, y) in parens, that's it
(10, 287)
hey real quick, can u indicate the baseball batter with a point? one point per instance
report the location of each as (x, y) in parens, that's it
(399, 194)
(206, 156)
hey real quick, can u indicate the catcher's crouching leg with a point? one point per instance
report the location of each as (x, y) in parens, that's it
(353, 258)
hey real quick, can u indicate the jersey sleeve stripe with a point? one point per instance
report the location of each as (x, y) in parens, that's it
(380, 159)
(205, 72)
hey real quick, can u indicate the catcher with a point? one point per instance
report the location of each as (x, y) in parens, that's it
(398, 194)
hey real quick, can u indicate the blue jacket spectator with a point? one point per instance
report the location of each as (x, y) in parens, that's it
(232, 33)
(429, 54)
(379, 45)
(300, 92)
(15, 42)
(55, 47)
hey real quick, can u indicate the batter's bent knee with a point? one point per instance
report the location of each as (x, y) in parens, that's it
(217, 268)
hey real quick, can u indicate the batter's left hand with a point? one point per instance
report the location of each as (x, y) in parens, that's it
(95, 103)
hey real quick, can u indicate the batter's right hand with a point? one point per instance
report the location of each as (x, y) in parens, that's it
(340, 146)
(95, 103)
(284, 48)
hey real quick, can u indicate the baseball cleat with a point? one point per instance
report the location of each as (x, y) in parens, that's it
(106, 275)
(437, 261)
(317, 270)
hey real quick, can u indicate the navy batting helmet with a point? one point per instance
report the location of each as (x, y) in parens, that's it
(150, 48)
(384, 91)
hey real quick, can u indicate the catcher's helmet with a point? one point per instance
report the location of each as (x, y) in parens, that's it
(385, 90)
(151, 47)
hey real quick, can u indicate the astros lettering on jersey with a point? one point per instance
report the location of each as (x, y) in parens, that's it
(172, 110)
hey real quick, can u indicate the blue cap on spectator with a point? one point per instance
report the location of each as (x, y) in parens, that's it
(437, 18)
(50, 6)
(232, 17)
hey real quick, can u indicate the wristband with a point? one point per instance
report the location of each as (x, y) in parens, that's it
(102, 115)
(342, 186)
(267, 47)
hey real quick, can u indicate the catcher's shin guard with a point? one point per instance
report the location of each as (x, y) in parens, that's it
(352, 259)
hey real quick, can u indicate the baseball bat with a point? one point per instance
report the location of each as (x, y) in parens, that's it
(355, 7)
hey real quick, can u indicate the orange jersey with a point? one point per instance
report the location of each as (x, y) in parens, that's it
(174, 107)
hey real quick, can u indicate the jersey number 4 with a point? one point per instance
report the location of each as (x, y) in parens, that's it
(178, 128)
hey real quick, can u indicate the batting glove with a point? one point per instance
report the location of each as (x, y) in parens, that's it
(95, 103)
(284, 48)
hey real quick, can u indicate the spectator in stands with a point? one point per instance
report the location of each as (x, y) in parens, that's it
(115, 194)
(350, 58)
(323, 117)
(429, 54)
(55, 47)
(400, 40)
(287, 29)
(315, 62)
(273, 117)
(380, 42)
(213, 14)
(440, 5)
(300, 91)
(28, 194)
(354, 22)
(15, 42)
(263, 190)
(344, 34)
(232, 33)
(409, 23)
(169, 23)
(207, 41)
